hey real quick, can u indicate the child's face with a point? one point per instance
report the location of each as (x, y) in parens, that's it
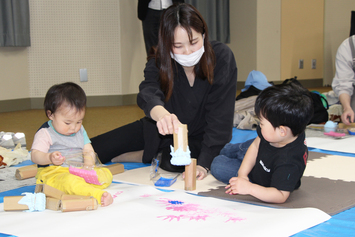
(270, 133)
(67, 120)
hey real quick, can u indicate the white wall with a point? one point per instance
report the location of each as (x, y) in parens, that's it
(14, 83)
(255, 37)
(243, 30)
(133, 54)
(106, 38)
(269, 39)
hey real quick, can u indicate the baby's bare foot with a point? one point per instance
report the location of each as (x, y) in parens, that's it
(106, 199)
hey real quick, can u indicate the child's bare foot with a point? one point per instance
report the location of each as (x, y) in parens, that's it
(106, 199)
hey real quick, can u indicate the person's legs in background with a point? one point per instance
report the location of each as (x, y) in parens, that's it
(151, 28)
(128, 138)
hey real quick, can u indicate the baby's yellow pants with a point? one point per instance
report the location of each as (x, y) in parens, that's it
(59, 177)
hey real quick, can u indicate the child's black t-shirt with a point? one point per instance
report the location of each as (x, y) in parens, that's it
(281, 168)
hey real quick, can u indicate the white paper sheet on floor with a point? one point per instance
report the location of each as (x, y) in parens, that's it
(141, 210)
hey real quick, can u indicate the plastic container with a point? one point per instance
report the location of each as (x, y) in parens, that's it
(330, 126)
(351, 131)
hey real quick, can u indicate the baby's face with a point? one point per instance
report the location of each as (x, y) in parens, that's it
(67, 120)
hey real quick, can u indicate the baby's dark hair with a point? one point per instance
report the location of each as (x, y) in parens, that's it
(67, 92)
(288, 105)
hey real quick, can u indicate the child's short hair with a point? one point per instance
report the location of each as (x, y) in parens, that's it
(67, 92)
(288, 105)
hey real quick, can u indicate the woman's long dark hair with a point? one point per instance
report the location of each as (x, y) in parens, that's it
(187, 17)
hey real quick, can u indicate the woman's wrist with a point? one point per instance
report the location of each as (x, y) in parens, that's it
(158, 112)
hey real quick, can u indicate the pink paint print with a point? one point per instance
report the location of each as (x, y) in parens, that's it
(145, 195)
(116, 194)
(194, 212)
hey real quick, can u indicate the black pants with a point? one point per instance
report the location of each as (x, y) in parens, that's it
(151, 28)
(118, 141)
(130, 138)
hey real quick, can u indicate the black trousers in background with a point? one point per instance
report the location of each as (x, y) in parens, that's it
(151, 28)
(118, 141)
(131, 137)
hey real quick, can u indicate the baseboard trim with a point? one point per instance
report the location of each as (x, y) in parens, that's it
(15, 105)
(92, 101)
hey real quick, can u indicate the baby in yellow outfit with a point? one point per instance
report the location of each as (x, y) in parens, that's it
(61, 136)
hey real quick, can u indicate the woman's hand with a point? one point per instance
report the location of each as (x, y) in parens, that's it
(168, 124)
(348, 116)
(201, 173)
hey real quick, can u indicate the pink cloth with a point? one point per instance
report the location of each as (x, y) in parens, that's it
(90, 176)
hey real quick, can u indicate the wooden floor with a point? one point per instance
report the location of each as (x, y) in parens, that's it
(97, 119)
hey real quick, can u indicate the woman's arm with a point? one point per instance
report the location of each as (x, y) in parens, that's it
(219, 106)
(347, 116)
(167, 123)
(344, 80)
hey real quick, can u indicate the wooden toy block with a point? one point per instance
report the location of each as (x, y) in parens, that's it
(72, 197)
(190, 176)
(79, 205)
(49, 191)
(344, 126)
(180, 138)
(116, 168)
(26, 172)
(53, 204)
(11, 204)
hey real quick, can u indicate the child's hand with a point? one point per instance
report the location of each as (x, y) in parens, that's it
(238, 185)
(56, 158)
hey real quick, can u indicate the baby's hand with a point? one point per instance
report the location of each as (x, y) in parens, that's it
(56, 158)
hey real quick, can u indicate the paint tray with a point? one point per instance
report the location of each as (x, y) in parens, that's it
(159, 177)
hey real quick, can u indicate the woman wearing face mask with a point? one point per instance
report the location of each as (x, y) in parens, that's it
(188, 80)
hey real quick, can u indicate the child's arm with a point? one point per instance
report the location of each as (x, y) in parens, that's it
(249, 159)
(42, 158)
(266, 194)
(246, 166)
(242, 185)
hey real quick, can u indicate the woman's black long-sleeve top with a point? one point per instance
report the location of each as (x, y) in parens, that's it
(207, 109)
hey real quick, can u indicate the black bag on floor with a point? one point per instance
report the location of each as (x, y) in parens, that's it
(320, 114)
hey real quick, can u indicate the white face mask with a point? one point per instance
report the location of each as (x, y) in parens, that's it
(190, 59)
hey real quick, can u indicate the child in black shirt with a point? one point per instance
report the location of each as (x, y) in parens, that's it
(272, 166)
